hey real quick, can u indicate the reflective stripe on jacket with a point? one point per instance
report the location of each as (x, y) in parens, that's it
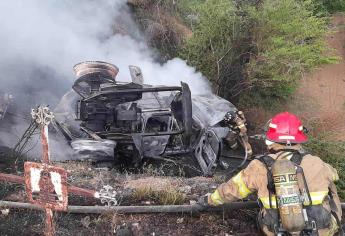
(317, 198)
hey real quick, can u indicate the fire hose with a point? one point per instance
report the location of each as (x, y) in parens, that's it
(194, 208)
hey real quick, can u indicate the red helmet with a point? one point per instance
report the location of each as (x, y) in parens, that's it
(286, 128)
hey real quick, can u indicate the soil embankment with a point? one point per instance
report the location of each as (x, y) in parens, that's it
(321, 94)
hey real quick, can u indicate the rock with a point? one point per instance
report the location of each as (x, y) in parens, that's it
(186, 189)
(5, 212)
(179, 220)
(86, 221)
(124, 230)
(135, 225)
(147, 202)
(192, 202)
(136, 229)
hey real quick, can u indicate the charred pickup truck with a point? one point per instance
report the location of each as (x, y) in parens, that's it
(130, 121)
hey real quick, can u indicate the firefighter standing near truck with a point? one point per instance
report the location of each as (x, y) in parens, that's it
(295, 189)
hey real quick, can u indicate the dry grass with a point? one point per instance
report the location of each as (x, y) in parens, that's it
(162, 197)
(156, 183)
(160, 190)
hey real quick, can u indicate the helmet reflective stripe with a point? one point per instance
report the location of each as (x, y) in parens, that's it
(271, 125)
(243, 190)
(286, 137)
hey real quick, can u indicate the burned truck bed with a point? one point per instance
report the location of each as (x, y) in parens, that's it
(107, 120)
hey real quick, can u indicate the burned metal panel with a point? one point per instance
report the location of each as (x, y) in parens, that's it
(46, 185)
(136, 74)
(210, 109)
(65, 117)
(150, 142)
(207, 151)
(221, 132)
(156, 100)
(151, 146)
(154, 146)
(98, 150)
(186, 112)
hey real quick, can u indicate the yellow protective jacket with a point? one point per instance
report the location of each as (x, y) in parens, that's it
(320, 178)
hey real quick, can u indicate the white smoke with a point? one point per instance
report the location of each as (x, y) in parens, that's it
(41, 40)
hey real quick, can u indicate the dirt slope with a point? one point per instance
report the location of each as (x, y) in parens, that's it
(321, 94)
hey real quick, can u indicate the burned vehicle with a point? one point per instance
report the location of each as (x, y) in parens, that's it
(130, 121)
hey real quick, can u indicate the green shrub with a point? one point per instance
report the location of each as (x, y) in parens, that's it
(250, 50)
(325, 7)
(289, 40)
(258, 50)
(220, 39)
(331, 152)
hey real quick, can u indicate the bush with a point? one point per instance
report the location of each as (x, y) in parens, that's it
(325, 7)
(331, 152)
(258, 49)
(254, 50)
(288, 41)
(219, 42)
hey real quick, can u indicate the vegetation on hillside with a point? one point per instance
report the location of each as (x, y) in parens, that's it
(256, 50)
(219, 45)
(333, 153)
(288, 40)
(326, 7)
(253, 51)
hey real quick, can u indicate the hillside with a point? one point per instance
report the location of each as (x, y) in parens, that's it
(321, 93)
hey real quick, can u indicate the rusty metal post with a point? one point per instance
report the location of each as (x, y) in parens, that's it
(50, 227)
(43, 117)
(46, 185)
(45, 145)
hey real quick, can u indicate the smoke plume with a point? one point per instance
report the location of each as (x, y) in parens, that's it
(40, 41)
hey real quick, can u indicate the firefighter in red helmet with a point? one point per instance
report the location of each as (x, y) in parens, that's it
(295, 189)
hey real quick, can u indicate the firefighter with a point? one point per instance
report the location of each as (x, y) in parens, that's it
(295, 190)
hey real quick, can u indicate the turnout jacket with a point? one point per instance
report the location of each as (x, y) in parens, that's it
(320, 178)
